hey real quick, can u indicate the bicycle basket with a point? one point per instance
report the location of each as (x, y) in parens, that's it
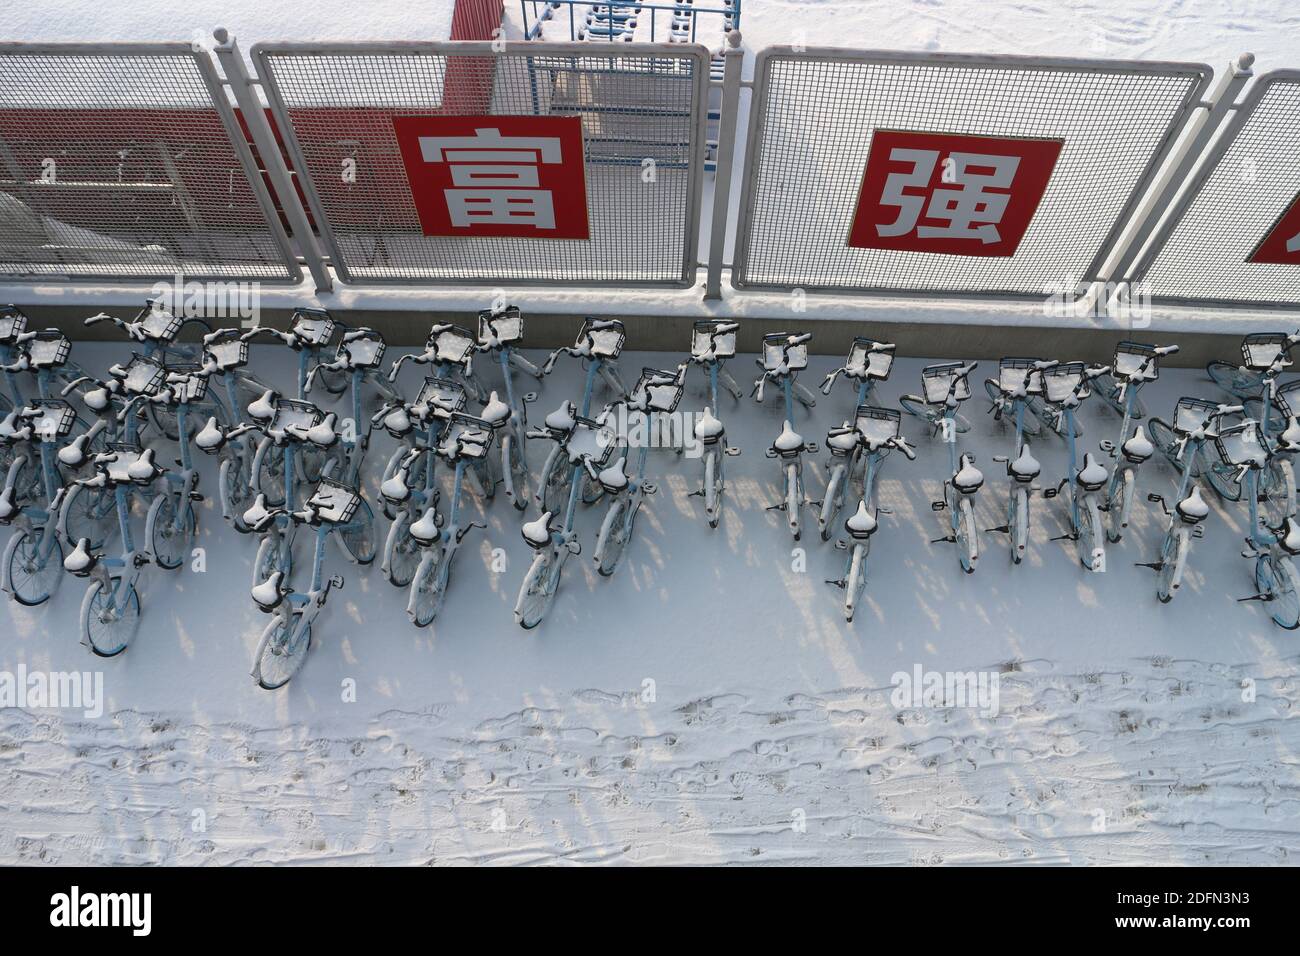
(194, 388)
(938, 380)
(13, 323)
(334, 501)
(876, 424)
(56, 420)
(452, 345)
(291, 411)
(442, 396)
(590, 439)
(1259, 350)
(776, 349)
(606, 342)
(312, 327)
(1011, 375)
(226, 350)
(362, 348)
(1287, 398)
(660, 390)
(864, 363)
(706, 340)
(118, 471)
(470, 435)
(144, 376)
(1136, 362)
(1060, 382)
(1241, 444)
(49, 349)
(1192, 413)
(507, 325)
(157, 323)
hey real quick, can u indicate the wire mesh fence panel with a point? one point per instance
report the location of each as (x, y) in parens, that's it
(1234, 237)
(367, 124)
(117, 161)
(915, 173)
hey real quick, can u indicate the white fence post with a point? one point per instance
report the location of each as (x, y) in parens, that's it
(250, 105)
(733, 62)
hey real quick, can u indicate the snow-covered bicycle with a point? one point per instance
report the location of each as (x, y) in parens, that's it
(712, 343)
(1018, 380)
(1064, 388)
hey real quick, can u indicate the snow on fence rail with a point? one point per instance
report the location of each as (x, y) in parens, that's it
(453, 163)
(887, 172)
(125, 161)
(1234, 236)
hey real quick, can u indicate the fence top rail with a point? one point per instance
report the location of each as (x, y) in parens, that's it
(985, 61)
(532, 48)
(106, 48)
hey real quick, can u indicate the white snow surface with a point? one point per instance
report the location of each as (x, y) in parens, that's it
(770, 735)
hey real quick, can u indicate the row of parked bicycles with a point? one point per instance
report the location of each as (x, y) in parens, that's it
(1239, 449)
(82, 456)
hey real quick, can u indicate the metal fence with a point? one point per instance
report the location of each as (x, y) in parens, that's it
(817, 112)
(1209, 249)
(641, 110)
(126, 161)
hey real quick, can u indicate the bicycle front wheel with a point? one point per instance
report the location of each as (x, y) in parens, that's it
(553, 495)
(89, 513)
(712, 486)
(1019, 523)
(1220, 476)
(357, 537)
(30, 574)
(110, 616)
(856, 580)
(282, 651)
(235, 491)
(1163, 437)
(831, 502)
(1088, 545)
(968, 542)
(1277, 578)
(537, 592)
(169, 531)
(1233, 379)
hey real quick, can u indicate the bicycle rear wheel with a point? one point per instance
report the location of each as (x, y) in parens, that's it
(401, 552)
(357, 537)
(1221, 477)
(832, 502)
(1019, 523)
(968, 543)
(1277, 578)
(107, 629)
(1166, 442)
(1088, 545)
(1173, 561)
(856, 580)
(1119, 506)
(515, 472)
(1233, 379)
(1277, 488)
(282, 651)
(429, 587)
(537, 592)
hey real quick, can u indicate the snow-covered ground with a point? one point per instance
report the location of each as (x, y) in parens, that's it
(707, 704)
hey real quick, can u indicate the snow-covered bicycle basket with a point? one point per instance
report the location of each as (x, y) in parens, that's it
(1191, 414)
(49, 349)
(864, 363)
(193, 388)
(1260, 350)
(1011, 376)
(1136, 362)
(657, 390)
(590, 439)
(143, 376)
(777, 350)
(122, 470)
(706, 340)
(506, 326)
(1287, 398)
(157, 323)
(361, 349)
(452, 345)
(1241, 445)
(291, 413)
(442, 396)
(312, 327)
(56, 419)
(1062, 381)
(607, 341)
(226, 350)
(466, 437)
(334, 501)
(13, 323)
(938, 380)
(877, 425)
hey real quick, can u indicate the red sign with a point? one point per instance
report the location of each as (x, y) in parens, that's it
(496, 175)
(954, 194)
(1282, 244)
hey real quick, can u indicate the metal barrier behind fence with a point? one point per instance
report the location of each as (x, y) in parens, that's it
(126, 161)
(1234, 236)
(641, 111)
(1093, 131)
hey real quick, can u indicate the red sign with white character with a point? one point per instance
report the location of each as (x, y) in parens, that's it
(1282, 244)
(496, 175)
(953, 194)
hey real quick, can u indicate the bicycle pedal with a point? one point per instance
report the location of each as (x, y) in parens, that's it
(780, 507)
(841, 583)
(1002, 529)
(695, 494)
(1153, 565)
(950, 539)
(1071, 536)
